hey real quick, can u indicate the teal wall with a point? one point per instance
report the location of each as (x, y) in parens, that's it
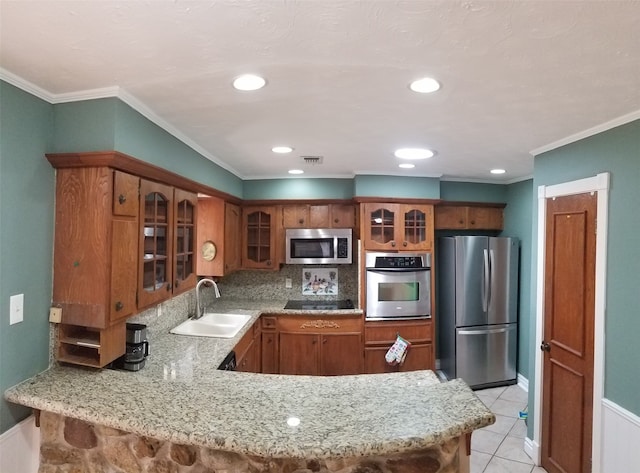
(473, 192)
(616, 151)
(298, 188)
(110, 124)
(26, 239)
(517, 223)
(137, 136)
(397, 186)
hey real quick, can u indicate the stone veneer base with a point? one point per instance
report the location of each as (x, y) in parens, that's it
(73, 446)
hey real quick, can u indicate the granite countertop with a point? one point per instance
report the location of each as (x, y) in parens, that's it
(181, 397)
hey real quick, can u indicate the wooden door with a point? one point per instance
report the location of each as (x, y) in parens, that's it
(259, 237)
(341, 354)
(232, 240)
(184, 240)
(569, 312)
(416, 222)
(380, 226)
(298, 353)
(343, 216)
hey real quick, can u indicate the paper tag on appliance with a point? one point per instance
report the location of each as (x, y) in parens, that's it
(398, 351)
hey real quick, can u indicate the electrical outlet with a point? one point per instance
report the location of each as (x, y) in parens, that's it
(55, 315)
(16, 309)
(287, 283)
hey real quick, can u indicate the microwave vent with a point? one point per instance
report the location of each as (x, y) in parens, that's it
(312, 159)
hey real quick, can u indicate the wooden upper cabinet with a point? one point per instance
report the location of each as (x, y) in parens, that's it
(94, 260)
(167, 242)
(465, 217)
(259, 231)
(318, 216)
(219, 228)
(394, 227)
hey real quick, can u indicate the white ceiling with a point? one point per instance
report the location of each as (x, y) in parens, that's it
(516, 75)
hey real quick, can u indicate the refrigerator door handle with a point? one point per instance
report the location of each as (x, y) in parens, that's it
(492, 259)
(485, 282)
(483, 332)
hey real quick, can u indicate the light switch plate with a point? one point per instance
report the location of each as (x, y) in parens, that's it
(16, 309)
(287, 283)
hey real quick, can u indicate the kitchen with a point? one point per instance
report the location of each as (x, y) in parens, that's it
(28, 187)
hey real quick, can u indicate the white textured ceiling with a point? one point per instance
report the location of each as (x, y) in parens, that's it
(516, 75)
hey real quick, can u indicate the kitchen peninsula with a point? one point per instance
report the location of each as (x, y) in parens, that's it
(181, 412)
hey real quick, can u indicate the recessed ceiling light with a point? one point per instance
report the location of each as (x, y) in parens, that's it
(425, 85)
(296, 171)
(413, 153)
(498, 171)
(406, 166)
(249, 82)
(282, 149)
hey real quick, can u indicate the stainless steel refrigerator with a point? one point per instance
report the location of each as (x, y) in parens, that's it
(477, 287)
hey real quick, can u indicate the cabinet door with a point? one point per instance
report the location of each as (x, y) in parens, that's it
(125, 194)
(343, 216)
(417, 227)
(184, 241)
(485, 218)
(124, 268)
(232, 242)
(247, 361)
(295, 216)
(319, 216)
(259, 233)
(341, 354)
(448, 217)
(298, 353)
(155, 271)
(380, 222)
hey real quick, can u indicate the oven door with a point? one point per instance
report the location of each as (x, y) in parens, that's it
(398, 293)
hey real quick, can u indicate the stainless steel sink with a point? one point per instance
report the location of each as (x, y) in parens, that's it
(211, 324)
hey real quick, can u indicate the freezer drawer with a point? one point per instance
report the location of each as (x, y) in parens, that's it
(486, 355)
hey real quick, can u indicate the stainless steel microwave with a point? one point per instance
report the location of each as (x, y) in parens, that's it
(319, 246)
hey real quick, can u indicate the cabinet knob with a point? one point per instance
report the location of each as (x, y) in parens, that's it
(393, 243)
(119, 306)
(122, 199)
(314, 341)
(269, 262)
(336, 220)
(177, 283)
(301, 221)
(324, 340)
(168, 287)
(404, 243)
(460, 221)
(473, 222)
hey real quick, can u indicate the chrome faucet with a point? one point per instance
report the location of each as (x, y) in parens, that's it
(199, 309)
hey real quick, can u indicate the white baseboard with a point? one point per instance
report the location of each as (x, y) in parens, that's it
(20, 448)
(532, 449)
(523, 382)
(620, 439)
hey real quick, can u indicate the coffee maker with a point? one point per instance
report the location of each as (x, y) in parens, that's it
(137, 348)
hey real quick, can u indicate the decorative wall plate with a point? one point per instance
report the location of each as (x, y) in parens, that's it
(208, 250)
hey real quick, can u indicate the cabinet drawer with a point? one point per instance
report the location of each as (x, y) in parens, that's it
(320, 324)
(268, 323)
(386, 332)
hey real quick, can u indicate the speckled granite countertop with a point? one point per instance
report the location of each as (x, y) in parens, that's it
(181, 397)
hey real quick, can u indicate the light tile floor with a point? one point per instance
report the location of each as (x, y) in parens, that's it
(499, 448)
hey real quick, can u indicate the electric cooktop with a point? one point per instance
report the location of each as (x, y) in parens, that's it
(319, 305)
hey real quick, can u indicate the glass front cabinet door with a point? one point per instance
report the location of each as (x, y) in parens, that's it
(259, 238)
(155, 267)
(184, 273)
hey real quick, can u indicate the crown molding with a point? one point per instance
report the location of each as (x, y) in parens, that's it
(623, 120)
(25, 85)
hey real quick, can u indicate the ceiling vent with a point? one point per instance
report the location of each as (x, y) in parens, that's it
(312, 159)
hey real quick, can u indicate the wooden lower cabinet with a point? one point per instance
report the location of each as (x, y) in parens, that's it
(380, 335)
(248, 351)
(324, 345)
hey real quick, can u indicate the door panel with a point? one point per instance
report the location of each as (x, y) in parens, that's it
(568, 333)
(298, 353)
(486, 354)
(503, 286)
(471, 258)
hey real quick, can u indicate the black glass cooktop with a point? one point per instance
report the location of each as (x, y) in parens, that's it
(319, 305)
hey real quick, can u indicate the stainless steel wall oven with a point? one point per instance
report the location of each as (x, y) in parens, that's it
(398, 285)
